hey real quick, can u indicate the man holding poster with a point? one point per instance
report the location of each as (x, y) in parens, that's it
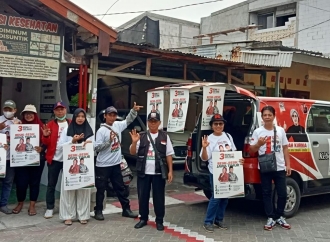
(6, 120)
(210, 146)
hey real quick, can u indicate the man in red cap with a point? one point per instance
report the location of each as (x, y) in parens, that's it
(54, 155)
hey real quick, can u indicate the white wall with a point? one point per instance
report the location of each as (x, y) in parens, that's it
(315, 38)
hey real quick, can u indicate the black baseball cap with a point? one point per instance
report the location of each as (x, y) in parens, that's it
(217, 117)
(154, 116)
(111, 109)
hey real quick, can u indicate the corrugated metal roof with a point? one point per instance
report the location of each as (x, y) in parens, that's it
(208, 51)
(267, 58)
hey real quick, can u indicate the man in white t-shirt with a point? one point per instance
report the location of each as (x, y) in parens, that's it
(263, 142)
(149, 168)
(54, 155)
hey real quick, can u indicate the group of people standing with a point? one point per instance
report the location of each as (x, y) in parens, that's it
(74, 204)
(154, 151)
(262, 141)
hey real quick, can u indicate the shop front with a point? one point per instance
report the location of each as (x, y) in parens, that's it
(30, 61)
(39, 45)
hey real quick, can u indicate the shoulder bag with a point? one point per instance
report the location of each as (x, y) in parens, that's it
(267, 162)
(163, 165)
(106, 126)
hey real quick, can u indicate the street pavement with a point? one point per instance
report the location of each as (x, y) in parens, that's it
(185, 212)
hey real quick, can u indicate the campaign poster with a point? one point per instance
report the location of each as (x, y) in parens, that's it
(78, 166)
(155, 103)
(179, 101)
(23, 140)
(3, 155)
(228, 177)
(213, 98)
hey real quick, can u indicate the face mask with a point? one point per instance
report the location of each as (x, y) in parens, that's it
(9, 114)
(61, 119)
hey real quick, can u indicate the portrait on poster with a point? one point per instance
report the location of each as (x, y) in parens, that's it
(228, 177)
(23, 140)
(179, 101)
(213, 97)
(78, 166)
(156, 104)
(3, 155)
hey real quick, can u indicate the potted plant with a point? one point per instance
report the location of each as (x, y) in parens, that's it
(73, 105)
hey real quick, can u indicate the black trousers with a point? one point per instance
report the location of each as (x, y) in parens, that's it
(54, 170)
(102, 174)
(158, 195)
(28, 176)
(279, 178)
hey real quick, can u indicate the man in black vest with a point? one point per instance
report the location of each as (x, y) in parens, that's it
(149, 169)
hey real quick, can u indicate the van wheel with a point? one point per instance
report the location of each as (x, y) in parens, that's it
(207, 193)
(293, 198)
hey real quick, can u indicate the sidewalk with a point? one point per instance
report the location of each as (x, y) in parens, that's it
(21, 227)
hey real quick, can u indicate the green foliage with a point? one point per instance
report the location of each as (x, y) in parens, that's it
(75, 99)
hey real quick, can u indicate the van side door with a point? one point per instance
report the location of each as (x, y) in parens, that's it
(318, 129)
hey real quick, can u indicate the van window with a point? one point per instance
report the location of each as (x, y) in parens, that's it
(319, 120)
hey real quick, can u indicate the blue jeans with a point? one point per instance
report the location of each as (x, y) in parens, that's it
(216, 208)
(7, 183)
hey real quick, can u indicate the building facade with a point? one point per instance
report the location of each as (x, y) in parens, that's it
(159, 30)
(302, 24)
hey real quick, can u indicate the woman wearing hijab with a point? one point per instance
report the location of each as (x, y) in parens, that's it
(29, 176)
(76, 203)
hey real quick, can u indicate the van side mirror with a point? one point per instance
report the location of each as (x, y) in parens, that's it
(137, 128)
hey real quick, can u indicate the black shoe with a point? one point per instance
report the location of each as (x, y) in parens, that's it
(209, 228)
(159, 226)
(129, 214)
(220, 225)
(141, 224)
(98, 215)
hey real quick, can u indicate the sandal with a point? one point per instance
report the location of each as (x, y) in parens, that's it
(31, 213)
(18, 209)
(68, 222)
(83, 221)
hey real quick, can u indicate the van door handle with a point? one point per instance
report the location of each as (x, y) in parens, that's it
(315, 143)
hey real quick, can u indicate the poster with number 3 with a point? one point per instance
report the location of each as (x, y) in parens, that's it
(78, 166)
(23, 140)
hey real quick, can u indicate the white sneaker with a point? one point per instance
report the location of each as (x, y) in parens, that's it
(270, 224)
(49, 213)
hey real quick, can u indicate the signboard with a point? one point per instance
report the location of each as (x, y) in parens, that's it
(179, 101)
(228, 177)
(78, 166)
(213, 98)
(155, 102)
(30, 48)
(47, 99)
(23, 139)
(3, 154)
